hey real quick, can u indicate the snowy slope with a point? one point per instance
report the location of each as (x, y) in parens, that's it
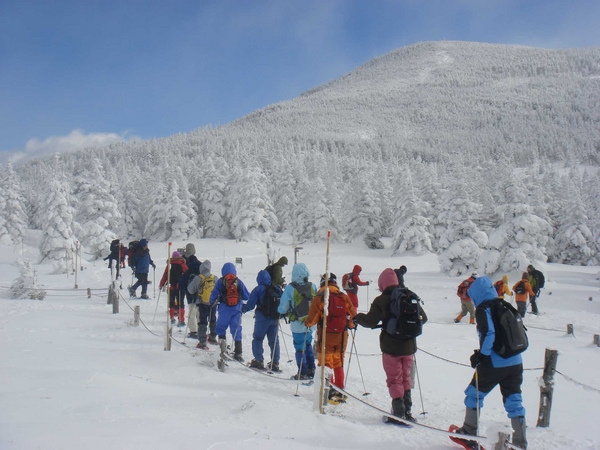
(76, 376)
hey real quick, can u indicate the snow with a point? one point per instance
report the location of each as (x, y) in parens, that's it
(76, 376)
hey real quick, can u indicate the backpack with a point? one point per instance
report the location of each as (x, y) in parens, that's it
(302, 297)
(114, 246)
(463, 289)
(337, 316)
(521, 289)
(270, 302)
(511, 334)
(347, 282)
(499, 285)
(175, 274)
(132, 253)
(270, 270)
(230, 293)
(539, 278)
(206, 287)
(405, 321)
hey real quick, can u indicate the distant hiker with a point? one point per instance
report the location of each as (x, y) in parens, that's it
(491, 370)
(350, 283)
(466, 304)
(143, 261)
(340, 313)
(400, 272)
(200, 287)
(275, 271)
(190, 253)
(229, 293)
(265, 297)
(502, 288)
(537, 282)
(522, 289)
(295, 303)
(116, 252)
(398, 350)
(192, 297)
(173, 276)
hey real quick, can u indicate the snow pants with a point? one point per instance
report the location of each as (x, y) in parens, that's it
(305, 357)
(207, 318)
(264, 326)
(398, 373)
(142, 280)
(353, 299)
(509, 378)
(229, 317)
(467, 307)
(522, 308)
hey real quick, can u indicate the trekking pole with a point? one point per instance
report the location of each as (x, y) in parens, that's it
(156, 309)
(477, 397)
(302, 362)
(284, 343)
(274, 345)
(419, 384)
(359, 367)
(154, 281)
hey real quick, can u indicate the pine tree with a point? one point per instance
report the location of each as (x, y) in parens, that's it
(364, 214)
(214, 202)
(14, 205)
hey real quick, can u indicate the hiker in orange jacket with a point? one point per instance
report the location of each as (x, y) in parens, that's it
(339, 318)
(466, 304)
(354, 282)
(522, 289)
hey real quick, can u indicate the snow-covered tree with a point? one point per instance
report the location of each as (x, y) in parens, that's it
(364, 214)
(461, 242)
(14, 210)
(214, 202)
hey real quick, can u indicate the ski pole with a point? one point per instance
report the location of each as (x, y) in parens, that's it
(359, 367)
(419, 384)
(284, 343)
(156, 309)
(274, 345)
(301, 363)
(154, 281)
(477, 398)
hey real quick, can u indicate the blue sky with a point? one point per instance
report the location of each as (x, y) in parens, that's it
(91, 72)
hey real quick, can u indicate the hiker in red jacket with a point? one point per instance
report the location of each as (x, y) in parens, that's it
(176, 303)
(352, 284)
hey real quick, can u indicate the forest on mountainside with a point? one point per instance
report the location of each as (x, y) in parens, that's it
(487, 155)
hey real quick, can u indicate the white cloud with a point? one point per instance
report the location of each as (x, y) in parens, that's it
(75, 140)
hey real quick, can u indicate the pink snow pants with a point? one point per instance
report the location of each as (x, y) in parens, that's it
(397, 370)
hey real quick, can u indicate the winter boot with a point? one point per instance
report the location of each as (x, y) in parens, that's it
(237, 352)
(458, 318)
(310, 373)
(212, 338)
(469, 427)
(274, 367)
(192, 335)
(202, 345)
(132, 293)
(223, 345)
(519, 436)
(398, 410)
(408, 406)
(256, 364)
(472, 321)
(144, 296)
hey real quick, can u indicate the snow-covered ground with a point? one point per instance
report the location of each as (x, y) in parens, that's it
(76, 376)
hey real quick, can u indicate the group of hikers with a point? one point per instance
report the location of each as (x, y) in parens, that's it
(216, 304)
(527, 288)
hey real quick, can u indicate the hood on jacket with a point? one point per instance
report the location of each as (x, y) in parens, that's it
(143, 242)
(481, 290)
(357, 270)
(190, 250)
(263, 278)
(205, 268)
(194, 267)
(282, 261)
(505, 279)
(228, 268)
(300, 273)
(386, 279)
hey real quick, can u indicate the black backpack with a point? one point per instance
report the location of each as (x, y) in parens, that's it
(511, 334)
(133, 253)
(175, 274)
(406, 320)
(270, 302)
(270, 270)
(114, 246)
(521, 288)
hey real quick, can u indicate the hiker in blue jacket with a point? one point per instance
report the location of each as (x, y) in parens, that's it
(263, 324)
(229, 316)
(290, 299)
(143, 262)
(491, 370)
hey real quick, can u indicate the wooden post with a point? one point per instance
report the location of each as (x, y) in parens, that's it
(570, 329)
(89, 293)
(136, 316)
(113, 297)
(503, 440)
(597, 340)
(547, 389)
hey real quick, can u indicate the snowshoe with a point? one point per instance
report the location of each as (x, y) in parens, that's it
(391, 421)
(335, 397)
(173, 321)
(144, 296)
(273, 367)
(465, 443)
(255, 364)
(132, 293)
(192, 335)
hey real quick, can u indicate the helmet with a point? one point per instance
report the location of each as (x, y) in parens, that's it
(332, 279)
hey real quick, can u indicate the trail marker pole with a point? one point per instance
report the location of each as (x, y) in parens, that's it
(547, 389)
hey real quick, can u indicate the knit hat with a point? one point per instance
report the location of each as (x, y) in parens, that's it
(176, 255)
(190, 250)
(143, 242)
(386, 279)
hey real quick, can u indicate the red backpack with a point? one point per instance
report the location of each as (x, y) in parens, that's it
(463, 289)
(499, 285)
(337, 316)
(230, 293)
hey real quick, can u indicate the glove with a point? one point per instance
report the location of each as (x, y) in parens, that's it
(284, 317)
(153, 266)
(368, 282)
(479, 359)
(163, 288)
